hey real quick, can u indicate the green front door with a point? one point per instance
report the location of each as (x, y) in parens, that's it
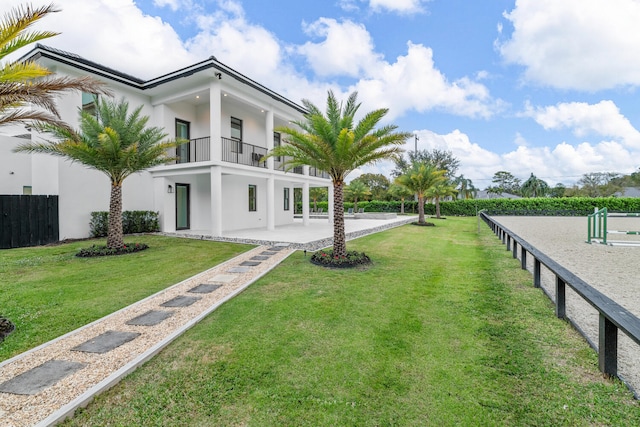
(182, 207)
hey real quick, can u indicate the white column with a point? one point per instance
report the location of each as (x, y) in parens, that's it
(215, 120)
(330, 203)
(216, 200)
(271, 203)
(305, 204)
(268, 125)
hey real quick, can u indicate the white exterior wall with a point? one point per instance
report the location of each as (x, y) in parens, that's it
(235, 195)
(15, 169)
(281, 216)
(253, 131)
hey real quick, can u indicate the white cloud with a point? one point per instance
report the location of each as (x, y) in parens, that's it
(601, 119)
(347, 48)
(399, 6)
(576, 44)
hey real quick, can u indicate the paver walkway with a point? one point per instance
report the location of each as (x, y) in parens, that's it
(47, 384)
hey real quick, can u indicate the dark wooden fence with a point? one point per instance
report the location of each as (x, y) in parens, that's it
(28, 221)
(612, 316)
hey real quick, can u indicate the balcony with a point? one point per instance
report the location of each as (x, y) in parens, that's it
(239, 152)
(278, 164)
(196, 150)
(319, 173)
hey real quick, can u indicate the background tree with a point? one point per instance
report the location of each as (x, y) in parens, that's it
(377, 183)
(534, 187)
(505, 182)
(558, 191)
(465, 188)
(440, 159)
(439, 191)
(400, 192)
(335, 144)
(420, 178)
(113, 142)
(599, 184)
(26, 84)
(318, 194)
(355, 191)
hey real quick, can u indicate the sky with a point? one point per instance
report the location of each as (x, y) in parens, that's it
(526, 86)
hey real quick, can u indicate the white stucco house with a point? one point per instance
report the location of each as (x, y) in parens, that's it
(218, 184)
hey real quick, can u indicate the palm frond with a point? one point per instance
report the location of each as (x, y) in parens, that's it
(14, 25)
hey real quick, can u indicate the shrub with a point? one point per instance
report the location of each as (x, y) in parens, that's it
(95, 250)
(327, 259)
(132, 222)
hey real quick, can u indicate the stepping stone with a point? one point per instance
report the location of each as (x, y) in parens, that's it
(239, 270)
(268, 253)
(259, 258)
(106, 342)
(250, 263)
(150, 318)
(223, 278)
(37, 379)
(282, 245)
(204, 288)
(276, 248)
(180, 301)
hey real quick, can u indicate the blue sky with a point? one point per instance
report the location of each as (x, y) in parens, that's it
(530, 86)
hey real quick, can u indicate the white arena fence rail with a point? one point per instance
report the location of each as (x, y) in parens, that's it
(612, 316)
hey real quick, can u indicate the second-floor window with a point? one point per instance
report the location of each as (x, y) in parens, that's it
(236, 133)
(90, 103)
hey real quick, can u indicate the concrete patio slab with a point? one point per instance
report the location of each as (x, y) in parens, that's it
(150, 318)
(180, 301)
(204, 288)
(106, 342)
(39, 378)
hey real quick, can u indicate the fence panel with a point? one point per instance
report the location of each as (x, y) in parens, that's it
(27, 220)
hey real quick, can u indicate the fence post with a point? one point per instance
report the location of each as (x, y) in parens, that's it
(561, 306)
(536, 273)
(515, 249)
(608, 347)
(523, 258)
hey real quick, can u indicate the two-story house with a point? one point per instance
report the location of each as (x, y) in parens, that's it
(218, 183)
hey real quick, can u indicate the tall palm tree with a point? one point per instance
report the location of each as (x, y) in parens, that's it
(356, 190)
(337, 145)
(401, 192)
(317, 194)
(466, 189)
(114, 142)
(420, 178)
(534, 187)
(25, 84)
(439, 190)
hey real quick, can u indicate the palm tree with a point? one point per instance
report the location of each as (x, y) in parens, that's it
(534, 187)
(333, 143)
(114, 142)
(356, 190)
(24, 84)
(400, 192)
(317, 193)
(465, 187)
(419, 179)
(441, 189)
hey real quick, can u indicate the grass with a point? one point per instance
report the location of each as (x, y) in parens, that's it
(47, 291)
(443, 329)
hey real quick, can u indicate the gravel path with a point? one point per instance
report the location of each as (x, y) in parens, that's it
(609, 269)
(104, 370)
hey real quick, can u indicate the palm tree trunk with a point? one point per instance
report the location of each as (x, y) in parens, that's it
(402, 206)
(355, 205)
(437, 207)
(421, 209)
(339, 238)
(115, 239)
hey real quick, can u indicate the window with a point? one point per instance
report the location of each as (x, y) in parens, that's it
(27, 190)
(90, 103)
(182, 132)
(286, 199)
(236, 133)
(276, 143)
(253, 196)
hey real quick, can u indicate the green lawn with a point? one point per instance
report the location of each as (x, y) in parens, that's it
(47, 291)
(444, 329)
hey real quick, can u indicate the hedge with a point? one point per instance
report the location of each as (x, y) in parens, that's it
(568, 206)
(132, 222)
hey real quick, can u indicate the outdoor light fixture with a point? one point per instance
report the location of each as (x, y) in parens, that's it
(170, 189)
(219, 76)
